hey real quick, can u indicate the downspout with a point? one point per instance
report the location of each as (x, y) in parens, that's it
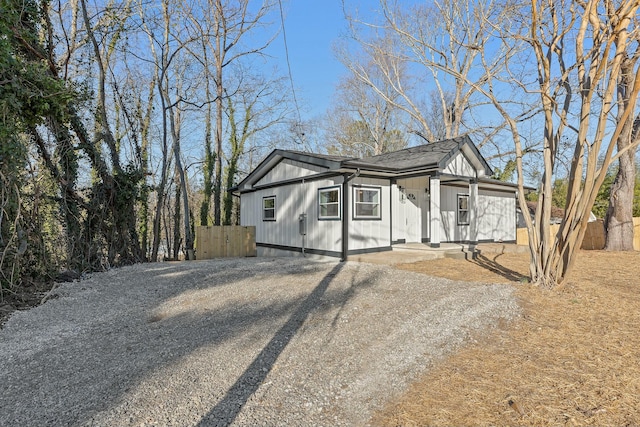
(303, 217)
(345, 212)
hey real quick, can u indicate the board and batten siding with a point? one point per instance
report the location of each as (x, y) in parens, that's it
(450, 231)
(291, 201)
(496, 216)
(366, 233)
(288, 169)
(459, 166)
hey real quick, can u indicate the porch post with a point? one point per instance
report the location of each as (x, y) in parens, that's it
(345, 217)
(473, 211)
(434, 207)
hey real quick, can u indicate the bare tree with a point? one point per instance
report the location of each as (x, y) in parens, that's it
(226, 25)
(581, 78)
(171, 63)
(453, 44)
(580, 50)
(362, 123)
(254, 106)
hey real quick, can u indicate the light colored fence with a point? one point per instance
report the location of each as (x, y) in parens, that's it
(225, 241)
(593, 238)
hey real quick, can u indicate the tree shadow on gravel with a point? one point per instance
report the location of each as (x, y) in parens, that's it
(102, 355)
(228, 408)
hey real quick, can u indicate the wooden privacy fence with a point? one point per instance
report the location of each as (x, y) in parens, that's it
(593, 237)
(225, 241)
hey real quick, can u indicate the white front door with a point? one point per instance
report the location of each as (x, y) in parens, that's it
(413, 215)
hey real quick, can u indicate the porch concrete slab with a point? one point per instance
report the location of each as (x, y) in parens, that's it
(394, 257)
(445, 250)
(414, 252)
(444, 247)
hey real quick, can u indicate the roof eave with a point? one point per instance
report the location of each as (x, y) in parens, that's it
(278, 155)
(394, 170)
(497, 182)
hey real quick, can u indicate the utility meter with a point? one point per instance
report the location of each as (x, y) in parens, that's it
(302, 220)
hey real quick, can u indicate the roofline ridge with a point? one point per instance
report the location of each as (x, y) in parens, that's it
(462, 137)
(318, 155)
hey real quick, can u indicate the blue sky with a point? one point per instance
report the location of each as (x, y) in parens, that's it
(312, 27)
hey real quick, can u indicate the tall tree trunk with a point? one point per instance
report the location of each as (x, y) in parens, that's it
(161, 71)
(175, 119)
(217, 186)
(209, 155)
(177, 238)
(208, 167)
(161, 188)
(618, 223)
(145, 125)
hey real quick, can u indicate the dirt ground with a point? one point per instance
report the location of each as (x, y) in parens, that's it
(573, 358)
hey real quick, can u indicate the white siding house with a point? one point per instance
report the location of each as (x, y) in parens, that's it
(337, 206)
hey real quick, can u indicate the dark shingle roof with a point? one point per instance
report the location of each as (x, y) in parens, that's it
(322, 156)
(434, 155)
(410, 158)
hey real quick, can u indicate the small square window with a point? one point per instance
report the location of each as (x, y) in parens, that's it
(269, 208)
(366, 203)
(463, 209)
(329, 203)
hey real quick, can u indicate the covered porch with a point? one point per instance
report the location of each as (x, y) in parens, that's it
(435, 209)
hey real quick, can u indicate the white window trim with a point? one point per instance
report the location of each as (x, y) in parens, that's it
(264, 209)
(339, 202)
(458, 210)
(356, 202)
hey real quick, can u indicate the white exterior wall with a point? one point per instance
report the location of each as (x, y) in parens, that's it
(460, 166)
(368, 234)
(450, 231)
(289, 169)
(291, 201)
(496, 216)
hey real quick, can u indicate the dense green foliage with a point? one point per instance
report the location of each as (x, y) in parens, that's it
(30, 96)
(559, 195)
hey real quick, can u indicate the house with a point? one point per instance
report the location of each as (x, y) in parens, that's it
(338, 206)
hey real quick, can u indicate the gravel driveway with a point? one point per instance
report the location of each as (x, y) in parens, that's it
(256, 341)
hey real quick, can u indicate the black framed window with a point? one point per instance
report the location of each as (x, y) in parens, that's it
(366, 203)
(463, 209)
(329, 203)
(269, 208)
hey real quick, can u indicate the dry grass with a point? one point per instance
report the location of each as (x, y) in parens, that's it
(573, 358)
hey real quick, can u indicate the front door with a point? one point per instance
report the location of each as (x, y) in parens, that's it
(413, 215)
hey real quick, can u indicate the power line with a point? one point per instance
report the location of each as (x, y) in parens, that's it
(286, 52)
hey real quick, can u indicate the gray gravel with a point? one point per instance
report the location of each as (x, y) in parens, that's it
(244, 342)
